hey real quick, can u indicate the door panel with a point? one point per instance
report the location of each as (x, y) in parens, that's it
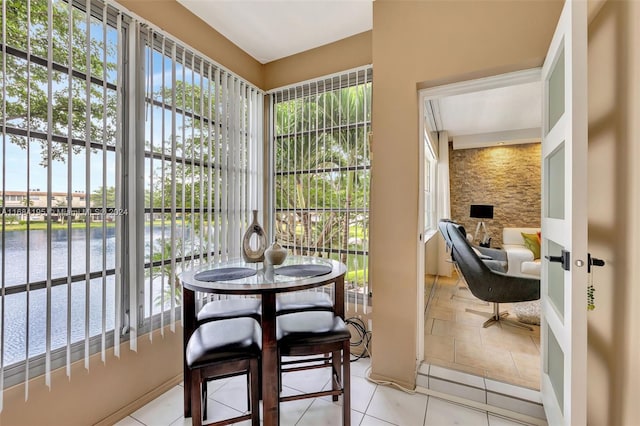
(564, 220)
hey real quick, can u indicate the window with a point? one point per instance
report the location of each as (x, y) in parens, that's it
(91, 260)
(430, 175)
(201, 168)
(321, 172)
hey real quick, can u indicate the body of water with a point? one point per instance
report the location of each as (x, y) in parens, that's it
(63, 246)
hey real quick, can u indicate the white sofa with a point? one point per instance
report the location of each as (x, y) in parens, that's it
(520, 260)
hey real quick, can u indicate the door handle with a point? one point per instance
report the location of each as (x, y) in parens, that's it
(593, 261)
(564, 259)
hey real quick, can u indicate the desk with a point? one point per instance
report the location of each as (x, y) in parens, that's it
(266, 284)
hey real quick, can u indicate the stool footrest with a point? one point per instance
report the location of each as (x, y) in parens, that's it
(231, 421)
(310, 395)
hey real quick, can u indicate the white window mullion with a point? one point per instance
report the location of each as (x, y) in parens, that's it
(136, 217)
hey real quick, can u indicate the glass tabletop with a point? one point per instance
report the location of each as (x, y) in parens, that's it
(265, 277)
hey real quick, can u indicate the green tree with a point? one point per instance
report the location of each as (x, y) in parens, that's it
(98, 194)
(25, 82)
(334, 153)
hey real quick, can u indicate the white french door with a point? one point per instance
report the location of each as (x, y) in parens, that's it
(564, 220)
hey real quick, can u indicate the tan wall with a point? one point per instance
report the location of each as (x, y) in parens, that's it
(614, 209)
(173, 18)
(507, 177)
(342, 55)
(423, 44)
(93, 395)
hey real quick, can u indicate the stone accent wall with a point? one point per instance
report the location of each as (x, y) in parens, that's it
(507, 177)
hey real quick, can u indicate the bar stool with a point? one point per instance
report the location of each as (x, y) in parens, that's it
(220, 349)
(229, 308)
(301, 301)
(317, 333)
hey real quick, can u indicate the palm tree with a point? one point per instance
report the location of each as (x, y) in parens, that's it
(336, 155)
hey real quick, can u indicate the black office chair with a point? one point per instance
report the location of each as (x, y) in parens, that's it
(485, 283)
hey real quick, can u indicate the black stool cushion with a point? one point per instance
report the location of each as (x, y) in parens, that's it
(311, 328)
(230, 308)
(223, 340)
(304, 300)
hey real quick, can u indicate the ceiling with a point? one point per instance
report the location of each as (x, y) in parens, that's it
(497, 116)
(269, 29)
(272, 29)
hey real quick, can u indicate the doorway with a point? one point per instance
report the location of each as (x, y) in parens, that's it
(487, 134)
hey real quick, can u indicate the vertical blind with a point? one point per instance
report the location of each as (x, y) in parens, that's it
(321, 172)
(125, 156)
(202, 167)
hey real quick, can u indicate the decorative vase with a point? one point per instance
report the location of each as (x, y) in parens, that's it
(275, 254)
(248, 253)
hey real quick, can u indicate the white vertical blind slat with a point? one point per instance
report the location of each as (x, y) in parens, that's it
(224, 165)
(103, 337)
(87, 193)
(4, 177)
(28, 292)
(210, 161)
(174, 144)
(218, 170)
(47, 368)
(118, 192)
(69, 185)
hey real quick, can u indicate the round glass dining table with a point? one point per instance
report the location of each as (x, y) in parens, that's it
(266, 282)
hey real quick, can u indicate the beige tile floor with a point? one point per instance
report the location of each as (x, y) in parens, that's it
(456, 339)
(371, 404)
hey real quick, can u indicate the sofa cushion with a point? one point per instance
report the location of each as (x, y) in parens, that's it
(531, 242)
(514, 235)
(531, 268)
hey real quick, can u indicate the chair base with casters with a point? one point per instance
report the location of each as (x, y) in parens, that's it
(220, 349)
(484, 281)
(316, 333)
(498, 317)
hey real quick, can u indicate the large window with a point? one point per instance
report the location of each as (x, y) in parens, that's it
(124, 156)
(321, 172)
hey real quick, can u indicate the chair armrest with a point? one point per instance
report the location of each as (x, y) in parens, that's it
(495, 254)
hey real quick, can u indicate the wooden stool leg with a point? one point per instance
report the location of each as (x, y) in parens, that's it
(254, 392)
(346, 383)
(337, 371)
(196, 398)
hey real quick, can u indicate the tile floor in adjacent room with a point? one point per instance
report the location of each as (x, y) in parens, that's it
(371, 405)
(455, 339)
